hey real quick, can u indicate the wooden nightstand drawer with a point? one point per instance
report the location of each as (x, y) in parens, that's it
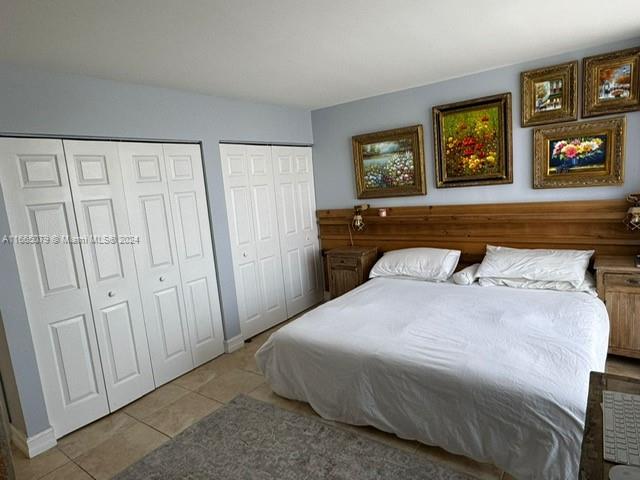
(622, 281)
(350, 262)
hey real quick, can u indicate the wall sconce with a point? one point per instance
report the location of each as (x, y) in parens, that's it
(632, 219)
(358, 222)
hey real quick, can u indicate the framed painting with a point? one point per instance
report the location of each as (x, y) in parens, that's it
(472, 142)
(548, 94)
(611, 83)
(581, 154)
(390, 163)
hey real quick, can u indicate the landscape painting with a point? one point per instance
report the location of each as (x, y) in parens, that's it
(579, 154)
(611, 83)
(389, 163)
(614, 82)
(549, 94)
(473, 142)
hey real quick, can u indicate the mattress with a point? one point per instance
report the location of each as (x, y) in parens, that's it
(497, 374)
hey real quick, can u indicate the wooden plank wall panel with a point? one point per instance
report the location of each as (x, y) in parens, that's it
(582, 225)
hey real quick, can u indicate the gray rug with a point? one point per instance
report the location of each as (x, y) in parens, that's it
(252, 440)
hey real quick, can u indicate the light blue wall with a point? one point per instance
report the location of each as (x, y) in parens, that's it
(333, 128)
(37, 102)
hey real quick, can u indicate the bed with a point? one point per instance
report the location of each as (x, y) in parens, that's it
(497, 374)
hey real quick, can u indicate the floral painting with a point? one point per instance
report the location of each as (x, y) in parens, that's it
(579, 154)
(389, 163)
(473, 142)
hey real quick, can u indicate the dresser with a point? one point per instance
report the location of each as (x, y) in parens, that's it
(619, 287)
(348, 267)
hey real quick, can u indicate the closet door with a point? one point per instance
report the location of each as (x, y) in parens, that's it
(38, 201)
(253, 229)
(101, 212)
(295, 198)
(156, 259)
(188, 200)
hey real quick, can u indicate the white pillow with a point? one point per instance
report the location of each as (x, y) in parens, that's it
(466, 276)
(588, 286)
(547, 265)
(433, 264)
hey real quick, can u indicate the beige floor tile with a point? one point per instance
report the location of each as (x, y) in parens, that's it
(154, 401)
(37, 467)
(482, 471)
(118, 452)
(193, 380)
(629, 367)
(88, 437)
(230, 384)
(182, 413)
(70, 471)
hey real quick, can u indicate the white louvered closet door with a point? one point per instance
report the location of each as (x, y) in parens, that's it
(299, 244)
(38, 202)
(185, 178)
(253, 229)
(156, 257)
(101, 212)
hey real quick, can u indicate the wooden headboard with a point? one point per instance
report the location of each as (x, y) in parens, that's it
(581, 225)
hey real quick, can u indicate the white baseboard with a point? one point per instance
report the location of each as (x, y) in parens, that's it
(35, 445)
(233, 344)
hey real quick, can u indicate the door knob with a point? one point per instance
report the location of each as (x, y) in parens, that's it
(111, 294)
(244, 254)
(162, 278)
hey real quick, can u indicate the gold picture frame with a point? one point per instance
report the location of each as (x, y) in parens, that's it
(579, 154)
(390, 163)
(549, 94)
(472, 142)
(611, 83)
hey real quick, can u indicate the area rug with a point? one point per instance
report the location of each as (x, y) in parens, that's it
(252, 440)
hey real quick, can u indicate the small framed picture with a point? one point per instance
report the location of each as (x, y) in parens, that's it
(389, 163)
(472, 142)
(579, 154)
(549, 94)
(611, 83)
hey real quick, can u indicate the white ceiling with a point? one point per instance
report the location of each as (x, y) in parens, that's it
(308, 53)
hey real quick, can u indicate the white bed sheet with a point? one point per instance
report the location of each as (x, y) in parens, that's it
(497, 374)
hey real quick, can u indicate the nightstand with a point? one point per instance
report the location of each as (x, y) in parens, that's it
(349, 267)
(618, 281)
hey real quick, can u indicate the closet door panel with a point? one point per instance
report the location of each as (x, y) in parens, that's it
(96, 184)
(156, 259)
(255, 242)
(194, 250)
(299, 243)
(35, 184)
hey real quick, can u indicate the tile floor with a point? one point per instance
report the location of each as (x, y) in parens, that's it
(107, 446)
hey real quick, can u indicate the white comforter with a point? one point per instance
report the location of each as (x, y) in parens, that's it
(494, 373)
